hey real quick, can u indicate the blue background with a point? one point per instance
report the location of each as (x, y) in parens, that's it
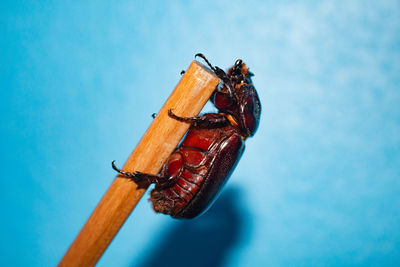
(319, 184)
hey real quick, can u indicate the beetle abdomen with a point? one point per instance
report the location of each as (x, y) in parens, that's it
(221, 168)
(209, 157)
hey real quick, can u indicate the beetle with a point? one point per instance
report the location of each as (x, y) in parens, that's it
(195, 172)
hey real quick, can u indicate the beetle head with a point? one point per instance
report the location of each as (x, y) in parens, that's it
(238, 98)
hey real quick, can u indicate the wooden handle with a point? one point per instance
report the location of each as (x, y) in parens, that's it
(159, 141)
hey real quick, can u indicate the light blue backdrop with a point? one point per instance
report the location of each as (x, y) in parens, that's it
(319, 184)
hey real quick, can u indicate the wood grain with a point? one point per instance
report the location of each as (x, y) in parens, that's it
(159, 141)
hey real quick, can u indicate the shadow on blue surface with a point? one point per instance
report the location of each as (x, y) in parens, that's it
(205, 241)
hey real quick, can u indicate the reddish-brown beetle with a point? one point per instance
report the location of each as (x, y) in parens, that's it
(198, 168)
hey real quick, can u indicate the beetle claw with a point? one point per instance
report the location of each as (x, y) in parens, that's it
(115, 167)
(176, 117)
(127, 174)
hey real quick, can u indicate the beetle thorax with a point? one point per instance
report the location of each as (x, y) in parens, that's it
(238, 99)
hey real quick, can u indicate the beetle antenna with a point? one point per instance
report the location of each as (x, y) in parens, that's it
(205, 59)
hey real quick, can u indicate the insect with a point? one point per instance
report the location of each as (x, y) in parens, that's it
(196, 171)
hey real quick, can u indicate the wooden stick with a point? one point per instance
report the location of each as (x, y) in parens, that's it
(159, 141)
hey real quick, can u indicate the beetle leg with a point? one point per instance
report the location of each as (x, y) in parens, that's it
(202, 121)
(140, 176)
(227, 82)
(220, 74)
(205, 59)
